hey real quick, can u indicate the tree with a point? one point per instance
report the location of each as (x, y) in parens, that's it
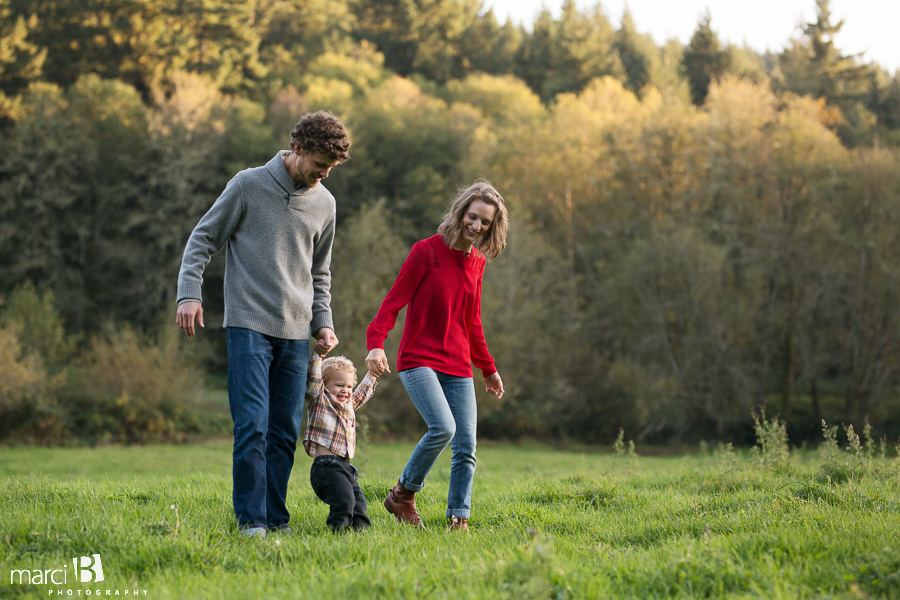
(565, 55)
(489, 47)
(294, 32)
(21, 60)
(814, 66)
(705, 61)
(636, 55)
(834, 75)
(66, 175)
(143, 41)
(418, 36)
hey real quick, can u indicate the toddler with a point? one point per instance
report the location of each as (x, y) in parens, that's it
(330, 437)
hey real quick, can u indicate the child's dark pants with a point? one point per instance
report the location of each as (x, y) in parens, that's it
(335, 481)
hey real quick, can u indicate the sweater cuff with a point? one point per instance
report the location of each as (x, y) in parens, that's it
(189, 291)
(488, 371)
(320, 320)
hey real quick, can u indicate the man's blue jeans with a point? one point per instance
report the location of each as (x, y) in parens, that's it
(447, 403)
(266, 386)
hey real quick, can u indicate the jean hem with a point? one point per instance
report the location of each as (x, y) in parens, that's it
(458, 513)
(410, 486)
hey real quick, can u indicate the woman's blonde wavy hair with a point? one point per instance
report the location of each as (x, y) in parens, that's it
(494, 239)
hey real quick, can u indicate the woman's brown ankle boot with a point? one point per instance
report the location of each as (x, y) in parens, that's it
(459, 523)
(401, 503)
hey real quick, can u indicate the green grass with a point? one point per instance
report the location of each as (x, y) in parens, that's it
(546, 524)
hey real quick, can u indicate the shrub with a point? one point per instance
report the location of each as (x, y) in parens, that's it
(25, 412)
(31, 336)
(38, 326)
(134, 388)
(127, 387)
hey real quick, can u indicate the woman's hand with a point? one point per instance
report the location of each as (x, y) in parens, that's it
(494, 385)
(377, 362)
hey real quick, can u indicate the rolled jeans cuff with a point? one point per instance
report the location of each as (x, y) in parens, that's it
(411, 486)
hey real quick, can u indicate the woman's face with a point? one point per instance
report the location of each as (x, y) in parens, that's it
(476, 221)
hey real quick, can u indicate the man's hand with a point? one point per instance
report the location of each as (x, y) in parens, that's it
(325, 340)
(377, 362)
(494, 385)
(185, 317)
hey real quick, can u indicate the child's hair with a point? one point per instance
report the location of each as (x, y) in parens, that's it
(337, 363)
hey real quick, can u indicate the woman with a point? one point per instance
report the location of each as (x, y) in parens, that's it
(442, 338)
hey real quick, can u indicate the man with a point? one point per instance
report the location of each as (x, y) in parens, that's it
(276, 223)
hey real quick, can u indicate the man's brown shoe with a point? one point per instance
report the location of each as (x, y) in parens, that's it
(459, 523)
(401, 503)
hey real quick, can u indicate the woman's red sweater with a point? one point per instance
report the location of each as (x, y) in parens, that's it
(442, 287)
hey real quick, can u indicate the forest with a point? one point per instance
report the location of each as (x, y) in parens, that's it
(697, 231)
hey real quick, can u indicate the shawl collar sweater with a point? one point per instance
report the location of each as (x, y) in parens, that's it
(277, 242)
(443, 330)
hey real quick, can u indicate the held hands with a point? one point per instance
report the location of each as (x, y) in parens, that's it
(494, 385)
(187, 311)
(377, 362)
(325, 341)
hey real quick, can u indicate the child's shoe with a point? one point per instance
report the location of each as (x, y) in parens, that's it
(252, 532)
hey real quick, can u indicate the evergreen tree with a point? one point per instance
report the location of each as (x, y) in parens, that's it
(705, 61)
(633, 54)
(491, 48)
(534, 59)
(836, 75)
(565, 55)
(418, 36)
(813, 66)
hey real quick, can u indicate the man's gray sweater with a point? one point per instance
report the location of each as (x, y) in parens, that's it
(277, 244)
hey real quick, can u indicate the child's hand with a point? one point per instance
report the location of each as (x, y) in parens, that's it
(373, 374)
(325, 341)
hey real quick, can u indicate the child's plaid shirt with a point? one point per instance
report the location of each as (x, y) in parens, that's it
(331, 423)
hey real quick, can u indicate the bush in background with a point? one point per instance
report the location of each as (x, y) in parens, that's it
(122, 386)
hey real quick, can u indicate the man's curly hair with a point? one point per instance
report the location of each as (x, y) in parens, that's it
(321, 133)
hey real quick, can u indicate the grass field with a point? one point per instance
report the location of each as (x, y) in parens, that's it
(546, 524)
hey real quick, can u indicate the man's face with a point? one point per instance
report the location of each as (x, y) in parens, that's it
(313, 168)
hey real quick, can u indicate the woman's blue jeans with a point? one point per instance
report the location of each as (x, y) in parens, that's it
(266, 386)
(447, 403)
